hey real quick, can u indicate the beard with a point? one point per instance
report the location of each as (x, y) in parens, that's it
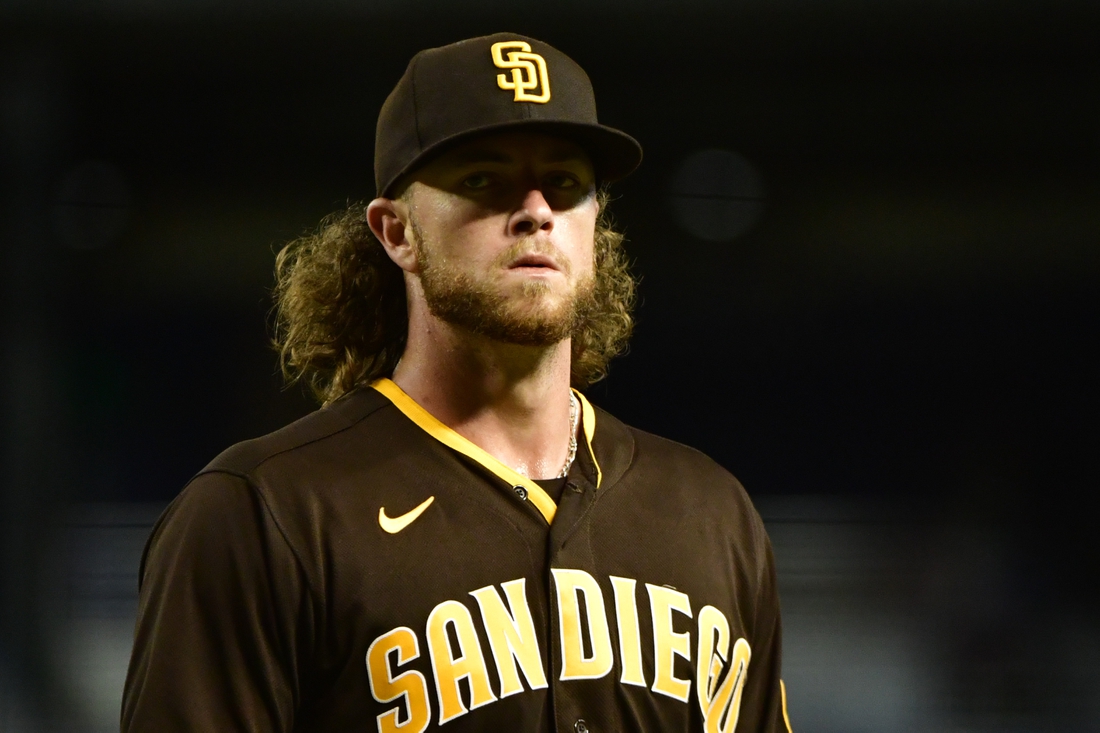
(533, 317)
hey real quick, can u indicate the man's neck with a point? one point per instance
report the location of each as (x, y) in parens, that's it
(512, 401)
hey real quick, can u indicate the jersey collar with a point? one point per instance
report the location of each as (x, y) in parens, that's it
(448, 437)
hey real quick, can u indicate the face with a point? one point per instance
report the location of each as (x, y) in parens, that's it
(503, 230)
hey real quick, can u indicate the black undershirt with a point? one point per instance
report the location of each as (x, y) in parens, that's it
(552, 486)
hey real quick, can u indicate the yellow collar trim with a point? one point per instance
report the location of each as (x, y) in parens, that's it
(448, 437)
(588, 423)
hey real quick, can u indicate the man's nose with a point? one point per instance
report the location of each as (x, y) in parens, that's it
(534, 214)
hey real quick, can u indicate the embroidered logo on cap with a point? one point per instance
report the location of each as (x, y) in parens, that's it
(528, 71)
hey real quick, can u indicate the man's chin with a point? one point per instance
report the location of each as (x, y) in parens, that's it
(527, 327)
(535, 312)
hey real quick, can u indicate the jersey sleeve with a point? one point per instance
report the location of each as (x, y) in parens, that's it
(764, 703)
(224, 617)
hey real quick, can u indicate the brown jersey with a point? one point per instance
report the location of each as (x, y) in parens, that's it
(367, 568)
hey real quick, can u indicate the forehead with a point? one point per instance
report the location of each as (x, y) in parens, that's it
(513, 148)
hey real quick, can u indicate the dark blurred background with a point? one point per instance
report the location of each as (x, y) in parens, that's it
(869, 242)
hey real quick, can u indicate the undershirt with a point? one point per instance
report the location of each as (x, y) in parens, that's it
(552, 486)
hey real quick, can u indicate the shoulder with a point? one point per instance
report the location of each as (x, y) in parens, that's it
(319, 426)
(214, 522)
(651, 452)
(689, 468)
(254, 493)
(675, 474)
(680, 457)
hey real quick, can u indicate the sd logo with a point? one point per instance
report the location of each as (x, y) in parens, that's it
(528, 71)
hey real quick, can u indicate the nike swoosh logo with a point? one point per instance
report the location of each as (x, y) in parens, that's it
(396, 524)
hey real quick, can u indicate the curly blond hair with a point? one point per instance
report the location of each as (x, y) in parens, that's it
(341, 316)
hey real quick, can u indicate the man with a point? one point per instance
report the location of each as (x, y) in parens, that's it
(458, 537)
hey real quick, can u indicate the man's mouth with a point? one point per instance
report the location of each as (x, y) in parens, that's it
(535, 261)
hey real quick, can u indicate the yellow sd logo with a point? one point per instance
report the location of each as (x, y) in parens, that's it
(528, 71)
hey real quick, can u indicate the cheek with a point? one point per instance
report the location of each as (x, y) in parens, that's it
(586, 252)
(478, 241)
(457, 234)
(435, 219)
(583, 249)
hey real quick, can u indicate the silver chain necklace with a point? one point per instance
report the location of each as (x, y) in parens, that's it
(574, 415)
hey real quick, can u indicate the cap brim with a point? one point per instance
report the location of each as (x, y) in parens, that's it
(614, 154)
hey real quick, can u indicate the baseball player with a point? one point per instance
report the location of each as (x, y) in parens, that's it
(458, 539)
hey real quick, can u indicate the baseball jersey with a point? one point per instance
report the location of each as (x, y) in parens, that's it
(367, 568)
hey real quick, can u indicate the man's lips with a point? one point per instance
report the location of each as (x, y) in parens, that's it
(534, 260)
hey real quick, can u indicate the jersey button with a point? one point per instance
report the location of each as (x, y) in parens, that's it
(580, 726)
(522, 494)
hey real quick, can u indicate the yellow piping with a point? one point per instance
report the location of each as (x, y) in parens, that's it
(783, 693)
(588, 421)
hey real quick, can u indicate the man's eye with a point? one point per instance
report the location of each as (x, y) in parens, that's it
(562, 180)
(476, 181)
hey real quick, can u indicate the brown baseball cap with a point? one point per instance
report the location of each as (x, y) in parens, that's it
(481, 85)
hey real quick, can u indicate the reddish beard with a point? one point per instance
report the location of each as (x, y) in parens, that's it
(531, 319)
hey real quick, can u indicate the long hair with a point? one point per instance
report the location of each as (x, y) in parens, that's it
(341, 317)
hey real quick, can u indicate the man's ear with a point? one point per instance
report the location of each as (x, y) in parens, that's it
(387, 218)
